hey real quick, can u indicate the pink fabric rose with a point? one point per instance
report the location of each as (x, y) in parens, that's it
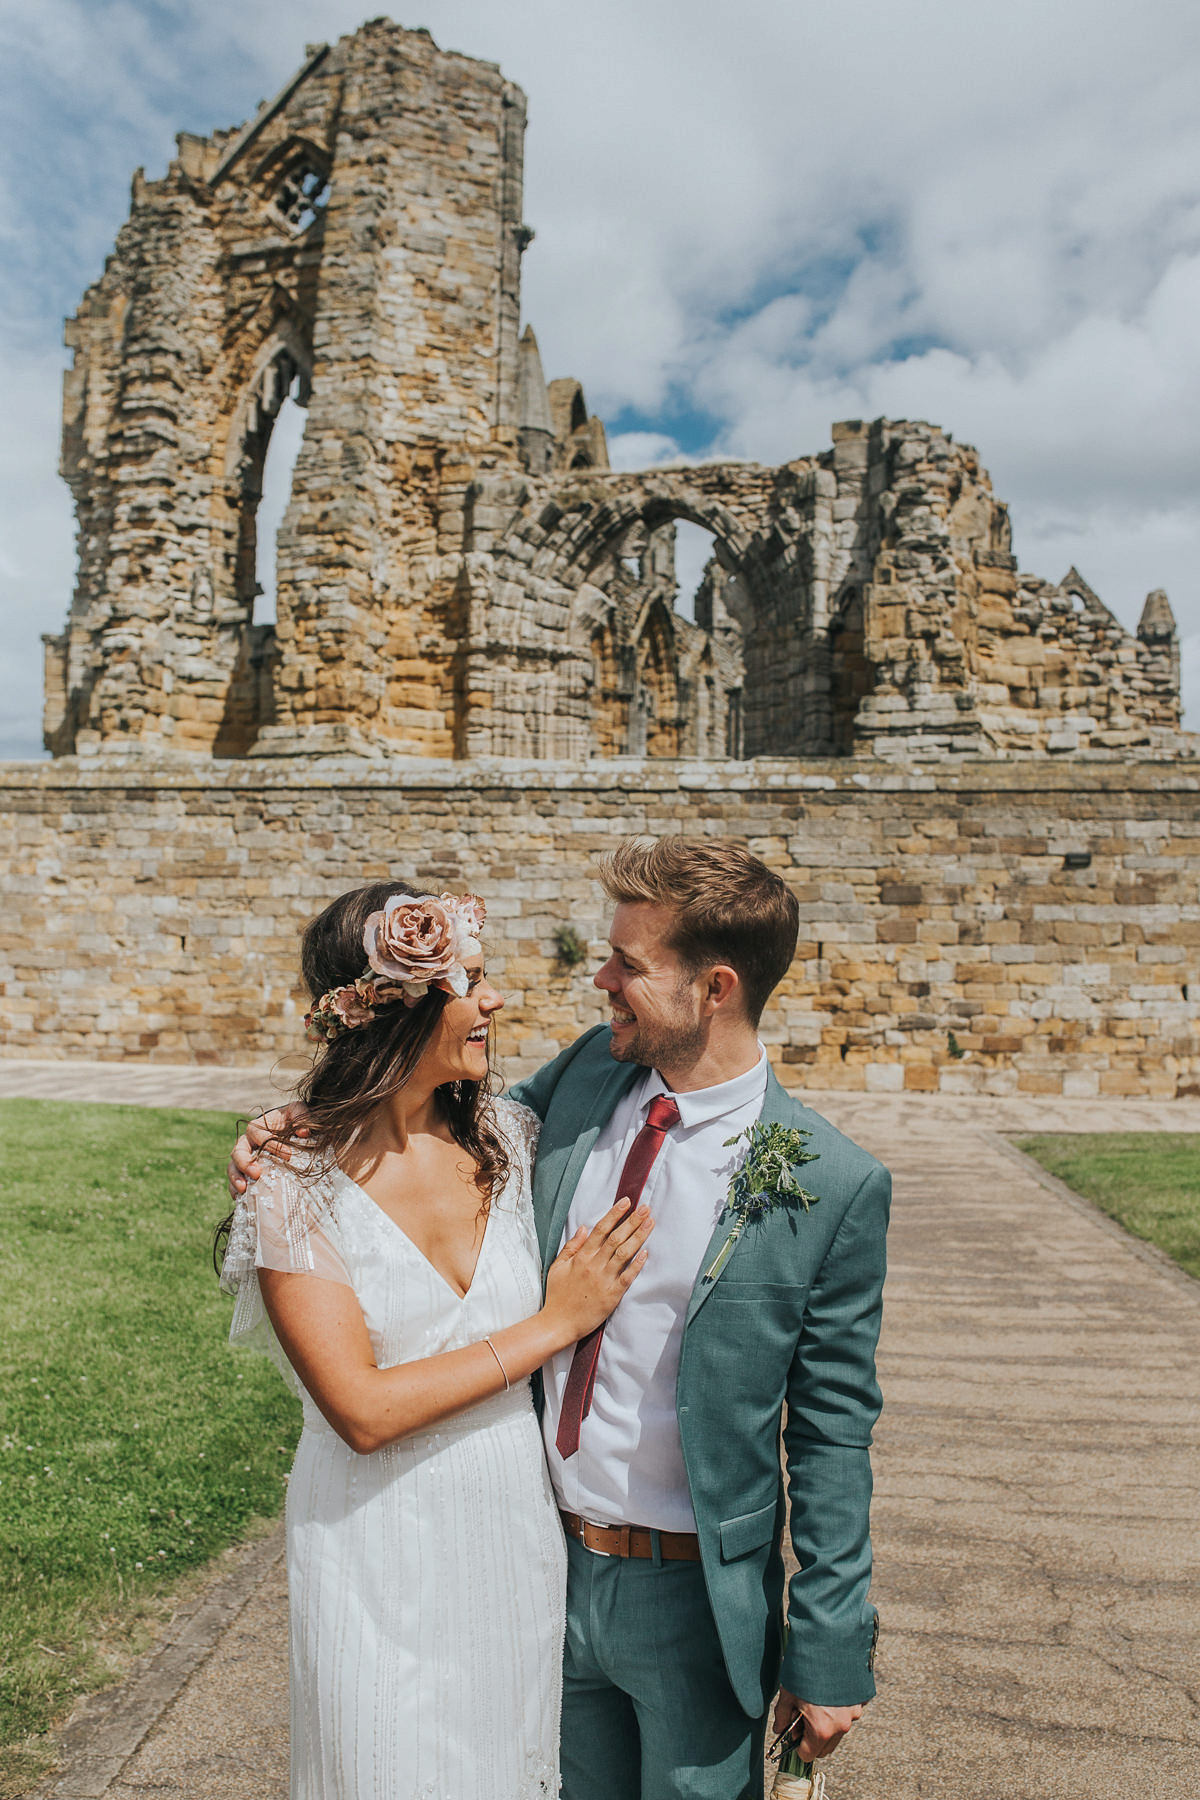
(338, 1010)
(353, 1005)
(386, 993)
(471, 913)
(418, 943)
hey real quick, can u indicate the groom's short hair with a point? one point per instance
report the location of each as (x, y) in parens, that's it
(728, 906)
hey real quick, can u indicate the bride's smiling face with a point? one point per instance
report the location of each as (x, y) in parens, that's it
(458, 1050)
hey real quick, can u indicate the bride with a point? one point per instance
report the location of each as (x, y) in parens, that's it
(391, 1267)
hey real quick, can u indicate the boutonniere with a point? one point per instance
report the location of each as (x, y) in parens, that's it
(766, 1179)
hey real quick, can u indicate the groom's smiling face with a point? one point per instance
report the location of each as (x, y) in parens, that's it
(654, 998)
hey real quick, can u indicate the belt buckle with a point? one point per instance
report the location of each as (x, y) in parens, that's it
(623, 1536)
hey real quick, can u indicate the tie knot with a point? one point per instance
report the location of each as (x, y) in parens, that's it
(662, 1112)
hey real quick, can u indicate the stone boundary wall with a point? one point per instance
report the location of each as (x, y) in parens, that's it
(950, 938)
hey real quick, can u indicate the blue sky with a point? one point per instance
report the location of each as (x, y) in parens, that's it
(750, 222)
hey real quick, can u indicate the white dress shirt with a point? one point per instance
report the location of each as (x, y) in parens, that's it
(629, 1467)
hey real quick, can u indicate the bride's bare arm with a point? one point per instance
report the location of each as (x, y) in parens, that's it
(322, 1330)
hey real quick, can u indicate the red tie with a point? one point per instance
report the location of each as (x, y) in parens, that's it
(661, 1114)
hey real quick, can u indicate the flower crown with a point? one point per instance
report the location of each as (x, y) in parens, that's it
(416, 942)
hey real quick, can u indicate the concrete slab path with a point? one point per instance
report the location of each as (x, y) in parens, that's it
(1038, 1478)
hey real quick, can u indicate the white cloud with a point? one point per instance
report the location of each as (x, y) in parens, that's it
(37, 541)
(642, 450)
(1190, 648)
(770, 217)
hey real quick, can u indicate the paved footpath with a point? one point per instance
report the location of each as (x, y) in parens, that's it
(1038, 1473)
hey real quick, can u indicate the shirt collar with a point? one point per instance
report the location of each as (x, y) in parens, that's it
(702, 1104)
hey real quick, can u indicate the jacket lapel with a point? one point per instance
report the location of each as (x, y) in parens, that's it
(778, 1108)
(596, 1111)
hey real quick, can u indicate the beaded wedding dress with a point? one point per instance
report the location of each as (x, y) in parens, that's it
(426, 1581)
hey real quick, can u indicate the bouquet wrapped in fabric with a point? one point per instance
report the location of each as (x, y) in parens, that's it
(794, 1779)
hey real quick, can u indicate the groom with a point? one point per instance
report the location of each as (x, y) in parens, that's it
(662, 1432)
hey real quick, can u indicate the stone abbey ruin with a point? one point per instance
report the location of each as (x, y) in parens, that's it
(460, 573)
(482, 666)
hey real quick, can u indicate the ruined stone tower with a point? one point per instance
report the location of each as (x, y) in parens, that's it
(360, 239)
(460, 574)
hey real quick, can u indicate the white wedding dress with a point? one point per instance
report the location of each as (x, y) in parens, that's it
(426, 1581)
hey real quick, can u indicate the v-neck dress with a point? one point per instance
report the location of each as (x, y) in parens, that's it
(426, 1580)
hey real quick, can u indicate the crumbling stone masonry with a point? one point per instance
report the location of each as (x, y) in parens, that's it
(483, 672)
(460, 574)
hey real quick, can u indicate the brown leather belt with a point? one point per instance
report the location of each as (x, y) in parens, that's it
(631, 1540)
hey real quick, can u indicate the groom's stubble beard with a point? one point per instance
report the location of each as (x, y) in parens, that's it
(669, 1043)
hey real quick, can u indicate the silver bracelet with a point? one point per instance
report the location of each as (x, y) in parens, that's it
(500, 1365)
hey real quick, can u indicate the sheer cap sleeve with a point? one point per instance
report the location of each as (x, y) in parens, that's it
(521, 1128)
(285, 1220)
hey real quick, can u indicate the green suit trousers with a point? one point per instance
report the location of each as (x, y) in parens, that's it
(648, 1709)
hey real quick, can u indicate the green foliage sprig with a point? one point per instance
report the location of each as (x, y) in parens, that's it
(569, 947)
(766, 1180)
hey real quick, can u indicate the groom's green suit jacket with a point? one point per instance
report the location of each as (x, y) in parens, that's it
(784, 1335)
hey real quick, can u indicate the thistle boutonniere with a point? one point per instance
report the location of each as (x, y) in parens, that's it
(766, 1179)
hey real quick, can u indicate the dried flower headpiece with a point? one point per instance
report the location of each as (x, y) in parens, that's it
(416, 942)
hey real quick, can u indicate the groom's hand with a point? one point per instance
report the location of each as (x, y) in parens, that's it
(259, 1135)
(824, 1726)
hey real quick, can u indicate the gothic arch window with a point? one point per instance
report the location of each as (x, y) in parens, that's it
(281, 386)
(610, 696)
(851, 675)
(667, 655)
(735, 743)
(302, 193)
(654, 707)
(279, 466)
(293, 182)
(695, 549)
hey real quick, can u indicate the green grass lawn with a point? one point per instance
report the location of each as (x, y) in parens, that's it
(134, 1443)
(1148, 1182)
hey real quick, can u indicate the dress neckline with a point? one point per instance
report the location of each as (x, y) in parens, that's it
(416, 1249)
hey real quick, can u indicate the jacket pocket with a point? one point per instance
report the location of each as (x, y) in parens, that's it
(732, 1283)
(749, 1531)
(783, 1297)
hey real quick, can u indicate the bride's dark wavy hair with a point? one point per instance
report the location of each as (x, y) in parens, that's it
(361, 1070)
